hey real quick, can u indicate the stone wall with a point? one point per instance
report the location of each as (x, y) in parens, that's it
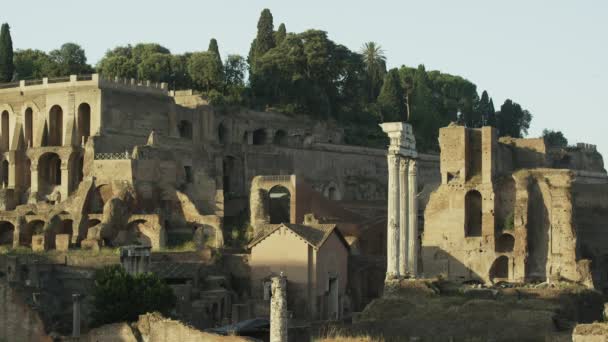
(18, 322)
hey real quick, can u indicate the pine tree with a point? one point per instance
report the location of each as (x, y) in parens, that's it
(264, 40)
(280, 35)
(6, 54)
(392, 98)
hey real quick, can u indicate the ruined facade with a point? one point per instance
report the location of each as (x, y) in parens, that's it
(515, 210)
(101, 162)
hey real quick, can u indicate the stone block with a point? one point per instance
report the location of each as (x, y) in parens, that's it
(38, 243)
(91, 244)
(62, 242)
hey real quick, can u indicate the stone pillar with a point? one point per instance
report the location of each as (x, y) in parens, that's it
(65, 181)
(34, 176)
(392, 226)
(278, 309)
(403, 215)
(413, 220)
(76, 315)
(401, 152)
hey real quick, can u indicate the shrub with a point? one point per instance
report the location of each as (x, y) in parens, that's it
(119, 296)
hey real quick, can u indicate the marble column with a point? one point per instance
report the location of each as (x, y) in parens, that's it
(403, 215)
(413, 219)
(278, 309)
(392, 226)
(76, 315)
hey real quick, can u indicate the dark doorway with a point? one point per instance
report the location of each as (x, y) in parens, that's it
(280, 205)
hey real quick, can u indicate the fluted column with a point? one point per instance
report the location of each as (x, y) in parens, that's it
(413, 219)
(392, 233)
(403, 215)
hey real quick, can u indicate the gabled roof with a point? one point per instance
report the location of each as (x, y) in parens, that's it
(314, 234)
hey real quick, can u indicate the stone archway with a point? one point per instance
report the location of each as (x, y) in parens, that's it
(505, 243)
(49, 172)
(84, 122)
(29, 127)
(185, 129)
(259, 137)
(4, 130)
(55, 137)
(29, 230)
(500, 268)
(279, 206)
(7, 231)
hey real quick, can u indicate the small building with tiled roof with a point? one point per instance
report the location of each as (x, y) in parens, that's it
(314, 257)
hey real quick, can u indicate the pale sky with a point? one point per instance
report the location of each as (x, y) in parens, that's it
(550, 56)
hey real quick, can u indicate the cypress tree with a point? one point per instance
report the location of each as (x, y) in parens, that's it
(491, 115)
(391, 99)
(264, 40)
(6, 54)
(484, 108)
(280, 35)
(213, 48)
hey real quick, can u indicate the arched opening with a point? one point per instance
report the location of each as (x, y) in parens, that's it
(505, 243)
(55, 126)
(7, 230)
(4, 173)
(333, 193)
(472, 214)
(280, 138)
(66, 228)
(185, 129)
(49, 171)
(92, 223)
(26, 233)
(280, 205)
(98, 198)
(259, 136)
(29, 127)
(500, 268)
(4, 131)
(222, 134)
(84, 122)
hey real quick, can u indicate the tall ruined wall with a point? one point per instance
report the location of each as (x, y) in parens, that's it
(18, 322)
(590, 196)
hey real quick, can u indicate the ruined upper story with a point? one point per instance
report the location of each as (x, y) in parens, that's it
(478, 155)
(122, 113)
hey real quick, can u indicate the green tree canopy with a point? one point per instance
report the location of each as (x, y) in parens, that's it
(32, 64)
(155, 67)
(120, 297)
(69, 59)
(280, 35)
(513, 120)
(555, 138)
(391, 100)
(203, 69)
(7, 66)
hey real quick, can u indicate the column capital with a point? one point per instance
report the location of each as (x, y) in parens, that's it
(402, 140)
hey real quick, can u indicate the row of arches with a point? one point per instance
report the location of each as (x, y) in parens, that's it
(53, 130)
(257, 137)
